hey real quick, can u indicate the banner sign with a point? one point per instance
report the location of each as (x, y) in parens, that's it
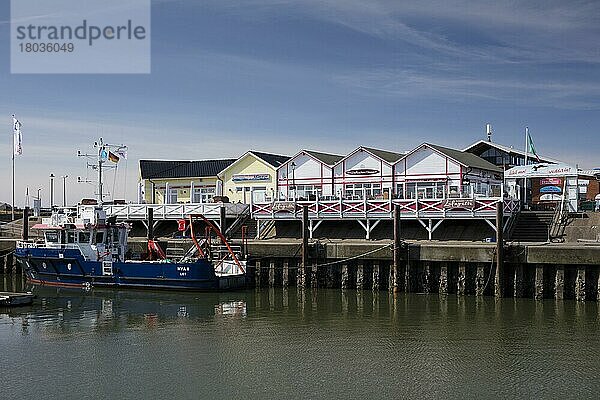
(284, 206)
(251, 178)
(468, 204)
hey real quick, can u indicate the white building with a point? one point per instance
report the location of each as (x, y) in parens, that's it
(435, 172)
(365, 173)
(307, 175)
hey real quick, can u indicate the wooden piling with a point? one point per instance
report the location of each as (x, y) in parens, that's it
(314, 276)
(345, 277)
(305, 234)
(480, 280)
(518, 281)
(462, 279)
(580, 284)
(397, 245)
(150, 230)
(426, 277)
(499, 278)
(375, 285)
(443, 289)
(272, 273)
(257, 274)
(559, 283)
(539, 282)
(25, 234)
(285, 273)
(360, 281)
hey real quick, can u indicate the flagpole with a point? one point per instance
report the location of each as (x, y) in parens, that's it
(13, 183)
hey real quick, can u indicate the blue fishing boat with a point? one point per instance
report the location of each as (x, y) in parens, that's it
(87, 250)
(81, 247)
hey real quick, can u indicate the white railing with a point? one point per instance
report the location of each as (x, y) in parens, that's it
(456, 208)
(173, 211)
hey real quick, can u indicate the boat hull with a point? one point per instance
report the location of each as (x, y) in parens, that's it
(66, 267)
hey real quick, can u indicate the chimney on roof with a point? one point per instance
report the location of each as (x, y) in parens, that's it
(488, 131)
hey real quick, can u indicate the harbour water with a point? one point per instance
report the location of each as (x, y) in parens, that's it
(276, 343)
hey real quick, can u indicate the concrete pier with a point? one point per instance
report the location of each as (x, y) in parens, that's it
(580, 284)
(559, 283)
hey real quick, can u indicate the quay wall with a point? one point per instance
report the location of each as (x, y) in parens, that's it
(540, 271)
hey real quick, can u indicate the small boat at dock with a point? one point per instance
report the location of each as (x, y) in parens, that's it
(12, 299)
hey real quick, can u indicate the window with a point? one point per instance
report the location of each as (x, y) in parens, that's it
(99, 237)
(172, 196)
(307, 191)
(84, 237)
(358, 191)
(259, 194)
(52, 237)
(203, 194)
(70, 237)
(426, 190)
(400, 191)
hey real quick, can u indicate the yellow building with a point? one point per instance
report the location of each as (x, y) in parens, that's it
(172, 182)
(252, 176)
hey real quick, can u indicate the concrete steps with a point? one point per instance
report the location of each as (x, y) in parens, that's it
(532, 226)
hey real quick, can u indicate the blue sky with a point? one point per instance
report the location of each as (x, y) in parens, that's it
(280, 75)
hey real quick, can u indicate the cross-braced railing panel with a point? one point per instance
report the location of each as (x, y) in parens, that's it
(469, 208)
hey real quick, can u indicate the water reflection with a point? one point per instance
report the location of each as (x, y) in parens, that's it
(303, 343)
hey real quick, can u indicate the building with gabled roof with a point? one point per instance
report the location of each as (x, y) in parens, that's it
(252, 177)
(365, 173)
(436, 172)
(504, 156)
(306, 175)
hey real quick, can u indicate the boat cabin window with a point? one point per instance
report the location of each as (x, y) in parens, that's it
(84, 237)
(99, 237)
(52, 236)
(70, 237)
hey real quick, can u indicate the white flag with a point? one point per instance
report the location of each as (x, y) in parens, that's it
(122, 151)
(17, 137)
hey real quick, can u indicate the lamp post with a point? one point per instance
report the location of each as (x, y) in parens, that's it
(64, 178)
(294, 179)
(52, 190)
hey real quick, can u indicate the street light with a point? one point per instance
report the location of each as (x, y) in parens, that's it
(52, 190)
(64, 178)
(294, 178)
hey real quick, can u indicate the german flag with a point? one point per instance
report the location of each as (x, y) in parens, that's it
(113, 157)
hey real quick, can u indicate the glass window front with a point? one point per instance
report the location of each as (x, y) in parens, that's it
(203, 194)
(358, 191)
(426, 190)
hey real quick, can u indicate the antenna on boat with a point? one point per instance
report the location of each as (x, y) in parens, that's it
(102, 155)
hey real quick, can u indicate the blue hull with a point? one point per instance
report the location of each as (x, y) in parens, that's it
(67, 267)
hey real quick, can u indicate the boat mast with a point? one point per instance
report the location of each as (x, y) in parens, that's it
(101, 151)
